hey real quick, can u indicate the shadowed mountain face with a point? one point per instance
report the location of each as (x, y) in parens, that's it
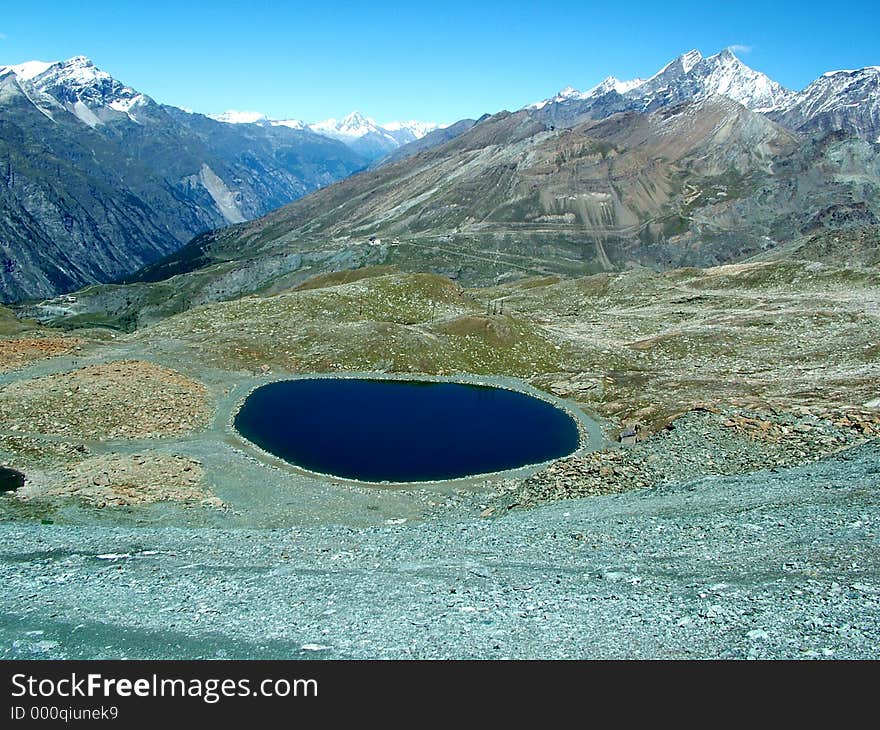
(97, 180)
(696, 184)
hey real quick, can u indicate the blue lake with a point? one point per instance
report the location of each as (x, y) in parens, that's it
(403, 431)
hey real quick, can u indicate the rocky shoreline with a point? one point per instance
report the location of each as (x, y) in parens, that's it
(705, 442)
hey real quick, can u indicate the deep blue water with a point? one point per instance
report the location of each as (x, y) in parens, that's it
(10, 479)
(403, 431)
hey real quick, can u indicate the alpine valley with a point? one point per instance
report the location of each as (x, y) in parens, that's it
(99, 179)
(707, 162)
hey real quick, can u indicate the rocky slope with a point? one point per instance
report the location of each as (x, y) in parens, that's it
(140, 179)
(742, 523)
(696, 184)
(838, 100)
(97, 179)
(770, 565)
(847, 101)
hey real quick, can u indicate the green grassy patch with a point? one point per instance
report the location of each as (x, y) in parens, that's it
(337, 278)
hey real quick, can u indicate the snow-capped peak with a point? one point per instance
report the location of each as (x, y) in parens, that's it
(680, 65)
(567, 94)
(691, 76)
(366, 136)
(850, 71)
(613, 84)
(348, 129)
(353, 125)
(28, 69)
(724, 74)
(415, 128)
(233, 116)
(690, 59)
(844, 99)
(80, 87)
(291, 123)
(78, 71)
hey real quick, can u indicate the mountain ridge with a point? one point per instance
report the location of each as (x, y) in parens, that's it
(360, 132)
(691, 76)
(106, 107)
(696, 184)
(100, 179)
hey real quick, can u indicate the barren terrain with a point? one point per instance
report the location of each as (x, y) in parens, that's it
(747, 382)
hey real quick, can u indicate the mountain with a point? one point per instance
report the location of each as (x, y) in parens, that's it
(361, 133)
(430, 139)
(690, 77)
(99, 180)
(405, 132)
(847, 100)
(838, 100)
(698, 183)
(233, 116)
(705, 162)
(370, 139)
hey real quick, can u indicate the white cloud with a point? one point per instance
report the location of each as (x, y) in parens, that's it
(739, 48)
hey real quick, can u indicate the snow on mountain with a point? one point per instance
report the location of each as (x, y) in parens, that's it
(614, 84)
(233, 116)
(291, 123)
(356, 129)
(357, 125)
(27, 70)
(688, 77)
(848, 99)
(353, 126)
(370, 138)
(100, 180)
(412, 128)
(726, 75)
(566, 94)
(79, 86)
(603, 87)
(95, 97)
(836, 88)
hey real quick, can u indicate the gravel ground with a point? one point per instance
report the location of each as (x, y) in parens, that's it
(121, 399)
(18, 352)
(698, 444)
(776, 564)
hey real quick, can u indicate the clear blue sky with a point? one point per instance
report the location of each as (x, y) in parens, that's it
(421, 59)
